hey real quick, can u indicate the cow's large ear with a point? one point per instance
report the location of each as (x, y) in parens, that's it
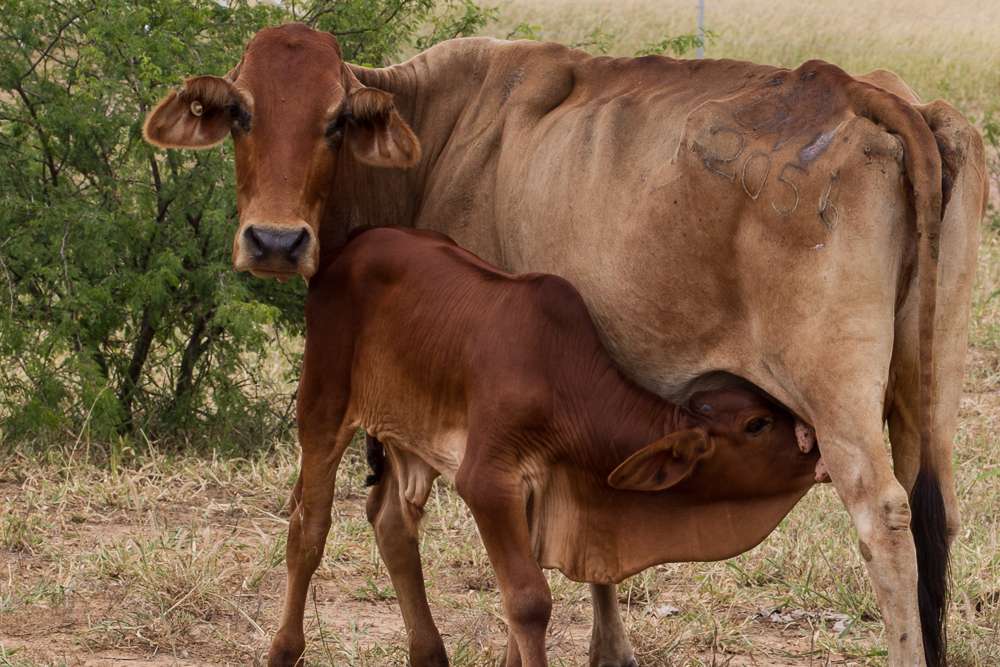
(377, 134)
(199, 115)
(662, 464)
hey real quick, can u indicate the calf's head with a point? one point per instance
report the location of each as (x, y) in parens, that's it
(729, 444)
(293, 109)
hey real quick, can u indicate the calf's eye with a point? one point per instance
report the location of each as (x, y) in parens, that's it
(756, 425)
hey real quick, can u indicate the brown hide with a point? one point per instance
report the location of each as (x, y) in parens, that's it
(715, 215)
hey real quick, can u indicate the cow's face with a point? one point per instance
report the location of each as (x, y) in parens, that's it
(732, 444)
(293, 108)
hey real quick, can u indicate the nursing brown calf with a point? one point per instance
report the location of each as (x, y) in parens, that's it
(500, 384)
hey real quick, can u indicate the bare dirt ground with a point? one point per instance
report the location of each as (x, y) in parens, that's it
(180, 562)
(163, 566)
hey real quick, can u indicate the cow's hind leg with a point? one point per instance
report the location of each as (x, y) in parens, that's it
(609, 645)
(861, 473)
(929, 475)
(395, 507)
(929, 480)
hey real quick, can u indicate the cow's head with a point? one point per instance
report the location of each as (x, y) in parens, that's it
(293, 108)
(732, 443)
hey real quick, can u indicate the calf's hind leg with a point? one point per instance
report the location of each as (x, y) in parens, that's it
(609, 645)
(395, 506)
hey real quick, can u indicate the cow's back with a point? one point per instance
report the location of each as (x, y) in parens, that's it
(705, 210)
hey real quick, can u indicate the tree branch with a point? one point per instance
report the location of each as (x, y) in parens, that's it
(48, 49)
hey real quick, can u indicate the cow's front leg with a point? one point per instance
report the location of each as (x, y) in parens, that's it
(609, 645)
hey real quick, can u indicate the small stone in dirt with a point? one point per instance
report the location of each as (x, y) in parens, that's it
(665, 610)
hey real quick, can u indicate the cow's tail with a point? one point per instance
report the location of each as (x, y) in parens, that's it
(375, 453)
(922, 162)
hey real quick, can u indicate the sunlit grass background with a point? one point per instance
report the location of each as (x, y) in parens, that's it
(143, 559)
(942, 49)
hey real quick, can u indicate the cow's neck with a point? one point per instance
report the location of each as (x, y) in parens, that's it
(430, 92)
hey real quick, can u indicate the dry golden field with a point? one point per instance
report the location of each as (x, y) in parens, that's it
(943, 49)
(111, 557)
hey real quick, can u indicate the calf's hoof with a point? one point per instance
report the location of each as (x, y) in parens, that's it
(286, 653)
(626, 662)
(431, 656)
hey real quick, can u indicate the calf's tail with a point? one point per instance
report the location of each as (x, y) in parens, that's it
(375, 453)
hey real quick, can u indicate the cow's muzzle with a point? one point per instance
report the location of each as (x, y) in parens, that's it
(276, 251)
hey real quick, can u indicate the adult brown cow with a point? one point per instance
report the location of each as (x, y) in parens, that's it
(720, 218)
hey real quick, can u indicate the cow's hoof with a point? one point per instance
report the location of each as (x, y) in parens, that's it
(626, 661)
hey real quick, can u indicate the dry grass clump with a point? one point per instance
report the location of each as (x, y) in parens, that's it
(170, 584)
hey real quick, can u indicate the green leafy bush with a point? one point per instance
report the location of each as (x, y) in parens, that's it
(120, 315)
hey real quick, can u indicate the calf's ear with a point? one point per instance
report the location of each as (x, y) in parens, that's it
(662, 464)
(199, 115)
(378, 136)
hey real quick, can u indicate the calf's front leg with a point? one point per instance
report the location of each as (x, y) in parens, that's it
(498, 506)
(307, 531)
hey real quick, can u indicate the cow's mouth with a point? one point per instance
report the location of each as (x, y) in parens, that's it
(280, 276)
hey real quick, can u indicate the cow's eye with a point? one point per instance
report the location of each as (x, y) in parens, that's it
(239, 116)
(757, 425)
(335, 128)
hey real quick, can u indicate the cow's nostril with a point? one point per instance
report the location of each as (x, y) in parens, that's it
(298, 245)
(270, 244)
(254, 243)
